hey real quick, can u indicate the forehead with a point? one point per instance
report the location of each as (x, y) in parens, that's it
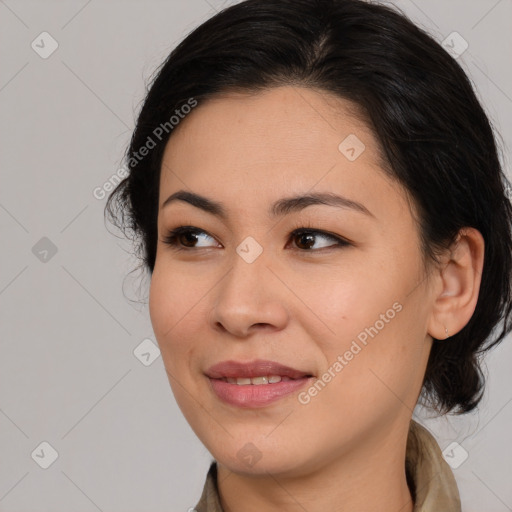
(254, 147)
(291, 122)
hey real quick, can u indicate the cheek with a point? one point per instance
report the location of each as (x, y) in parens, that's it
(375, 346)
(351, 303)
(378, 371)
(162, 299)
(173, 293)
(174, 307)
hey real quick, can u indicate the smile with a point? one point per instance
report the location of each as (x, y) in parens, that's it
(256, 381)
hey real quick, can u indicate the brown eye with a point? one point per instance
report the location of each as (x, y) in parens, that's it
(186, 237)
(306, 239)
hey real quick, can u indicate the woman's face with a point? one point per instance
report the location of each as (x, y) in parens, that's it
(347, 303)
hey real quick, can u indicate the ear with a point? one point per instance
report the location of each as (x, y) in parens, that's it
(458, 285)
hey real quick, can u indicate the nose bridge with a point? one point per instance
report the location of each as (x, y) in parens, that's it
(248, 293)
(246, 280)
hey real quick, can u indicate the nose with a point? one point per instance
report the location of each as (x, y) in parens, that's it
(248, 299)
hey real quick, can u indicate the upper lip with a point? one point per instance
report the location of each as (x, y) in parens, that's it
(256, 368)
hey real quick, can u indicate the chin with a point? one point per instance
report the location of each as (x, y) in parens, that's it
(260, 457)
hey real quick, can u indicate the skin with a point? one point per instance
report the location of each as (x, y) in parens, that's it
(345, 449)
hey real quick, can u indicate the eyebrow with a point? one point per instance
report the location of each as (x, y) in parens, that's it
(279, 208)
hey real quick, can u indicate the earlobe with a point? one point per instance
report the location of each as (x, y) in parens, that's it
(459, 285)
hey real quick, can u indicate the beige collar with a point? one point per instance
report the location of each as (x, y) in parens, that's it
(431, 478)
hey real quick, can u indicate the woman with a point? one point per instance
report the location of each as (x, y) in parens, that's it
(318, 198)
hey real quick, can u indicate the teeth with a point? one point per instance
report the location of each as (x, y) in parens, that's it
(257, 381)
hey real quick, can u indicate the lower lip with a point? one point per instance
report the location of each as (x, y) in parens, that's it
(252, 395)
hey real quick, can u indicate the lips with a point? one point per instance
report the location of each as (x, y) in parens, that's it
(256, 368)
(237, 384)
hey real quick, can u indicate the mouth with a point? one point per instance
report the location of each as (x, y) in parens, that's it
(258, 381)
(257, 369)
(255, 384)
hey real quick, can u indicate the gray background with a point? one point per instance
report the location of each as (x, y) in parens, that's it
(71, 319)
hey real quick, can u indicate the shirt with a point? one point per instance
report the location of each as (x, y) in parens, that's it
(430, 478)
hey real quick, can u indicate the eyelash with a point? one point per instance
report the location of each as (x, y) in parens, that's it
(171, 238)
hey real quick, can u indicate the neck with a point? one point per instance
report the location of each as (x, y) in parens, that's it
(370, 477)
